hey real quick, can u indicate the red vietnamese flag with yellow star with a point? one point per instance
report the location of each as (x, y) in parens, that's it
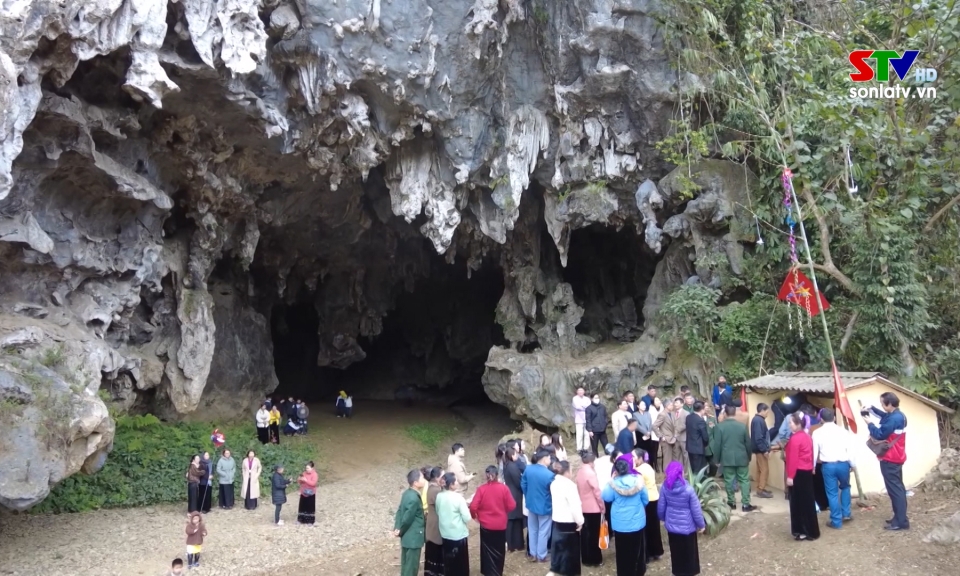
(841, 401)
(798, 289)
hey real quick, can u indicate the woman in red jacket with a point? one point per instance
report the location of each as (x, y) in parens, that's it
(800, 465)
(489, 507)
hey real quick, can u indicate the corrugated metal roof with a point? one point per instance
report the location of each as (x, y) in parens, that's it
(822, 383)
(813, 382)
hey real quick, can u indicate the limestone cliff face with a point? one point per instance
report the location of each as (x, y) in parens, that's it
(172, 172)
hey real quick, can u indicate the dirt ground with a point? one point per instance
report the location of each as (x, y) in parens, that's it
(363, 464)
(759, 544)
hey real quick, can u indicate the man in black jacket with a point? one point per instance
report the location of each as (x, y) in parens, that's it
(760, 438)
(596, 425)
(698, 437)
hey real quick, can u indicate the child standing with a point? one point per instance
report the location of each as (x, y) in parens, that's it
(196, 532)
(680, 510)
(176, 568)
(278, 491)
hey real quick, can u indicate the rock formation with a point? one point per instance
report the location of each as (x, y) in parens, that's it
(186, 184)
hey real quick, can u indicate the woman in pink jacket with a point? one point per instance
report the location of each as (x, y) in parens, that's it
(589, 488)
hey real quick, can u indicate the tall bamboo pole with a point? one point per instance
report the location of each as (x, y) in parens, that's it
(823, 317)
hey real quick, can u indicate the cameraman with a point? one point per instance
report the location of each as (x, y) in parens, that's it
(890, 436)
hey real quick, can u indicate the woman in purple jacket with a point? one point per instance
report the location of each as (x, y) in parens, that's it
(680, 510)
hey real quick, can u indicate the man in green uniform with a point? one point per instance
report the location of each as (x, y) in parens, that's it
(731, 447)
(409, 525)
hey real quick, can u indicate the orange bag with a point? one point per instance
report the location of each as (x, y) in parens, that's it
(604, 534)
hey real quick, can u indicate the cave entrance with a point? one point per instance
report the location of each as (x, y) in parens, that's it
(610, 271)
(432, 348)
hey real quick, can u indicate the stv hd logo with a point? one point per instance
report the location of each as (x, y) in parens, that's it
(885, 59)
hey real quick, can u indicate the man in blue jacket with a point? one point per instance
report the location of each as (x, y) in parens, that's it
(722, 395)
(535, 485)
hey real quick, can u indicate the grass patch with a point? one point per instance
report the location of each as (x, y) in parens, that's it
(430, 435)
(150, 458)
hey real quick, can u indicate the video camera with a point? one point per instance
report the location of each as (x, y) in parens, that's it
(868, 411)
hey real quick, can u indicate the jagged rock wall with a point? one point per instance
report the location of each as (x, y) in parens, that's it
(172, 171)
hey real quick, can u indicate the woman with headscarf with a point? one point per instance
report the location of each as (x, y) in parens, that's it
(454, 516)
(512, 473)
(433, 549)
(250, 470)
(490, 505)
(799, 463)
(652, 533)
(306, 512)
(194, 476)
(274, 421)
(226, 471)
(341, 404)
(588, 486)
(567, 516)
(682, 516)
(628, 517)
(263, 424)
(631, 463)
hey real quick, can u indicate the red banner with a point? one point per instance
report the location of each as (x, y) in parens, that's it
(840, 399)
(798, 289)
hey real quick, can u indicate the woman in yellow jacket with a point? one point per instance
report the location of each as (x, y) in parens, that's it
(275, 425)
(653, 536)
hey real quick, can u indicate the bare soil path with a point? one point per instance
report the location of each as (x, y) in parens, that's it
(363, 464)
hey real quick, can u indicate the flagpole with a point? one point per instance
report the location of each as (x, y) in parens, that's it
(823, 317)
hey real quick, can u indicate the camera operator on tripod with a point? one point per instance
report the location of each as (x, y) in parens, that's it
(888, 440)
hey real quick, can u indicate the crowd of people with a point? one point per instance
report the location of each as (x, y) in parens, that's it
(272, 414)
(537, 504)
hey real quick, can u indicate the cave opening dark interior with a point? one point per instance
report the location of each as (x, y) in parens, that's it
(432, 347)
(610, 271)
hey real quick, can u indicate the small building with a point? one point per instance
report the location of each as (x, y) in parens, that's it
(923, 431)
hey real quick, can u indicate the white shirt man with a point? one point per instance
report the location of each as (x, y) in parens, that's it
(833, 446)
(580, 405)
(620, 417)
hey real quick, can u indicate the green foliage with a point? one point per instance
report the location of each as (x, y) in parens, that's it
(684, 147)
(150, 459)
(690, 316)
(430, 435)
(716, 513)
(776, 86)
(52, 357)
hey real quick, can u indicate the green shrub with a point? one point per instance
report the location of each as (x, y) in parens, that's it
(430, 435)
(150, 458)
(716, 513)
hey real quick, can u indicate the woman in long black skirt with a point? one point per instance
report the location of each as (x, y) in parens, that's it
(490, 506)
(628, 519)
(592, 503)
(567, 521)
(512, 473)
(654, 539)
(433, 549)
(194, 475)
(306, 512)
(206, 485)
(683, 518)
(456, 550)
(799, 462)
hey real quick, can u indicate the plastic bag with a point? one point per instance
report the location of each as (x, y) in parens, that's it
(604, 534)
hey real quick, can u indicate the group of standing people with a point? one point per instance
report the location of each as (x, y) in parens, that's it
(563, 514)
(271, 414)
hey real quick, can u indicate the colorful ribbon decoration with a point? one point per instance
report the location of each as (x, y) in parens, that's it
(787, 180)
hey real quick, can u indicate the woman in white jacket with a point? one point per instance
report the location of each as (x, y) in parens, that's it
(567, 522)
(263, 424)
